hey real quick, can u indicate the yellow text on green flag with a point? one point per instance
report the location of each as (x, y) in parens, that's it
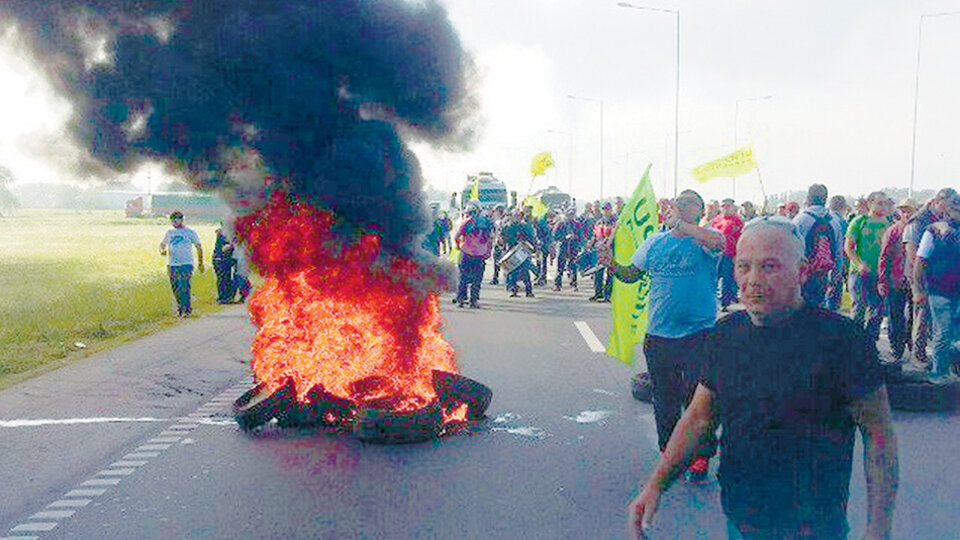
(637, 221)
(739, 162)
(540, 163)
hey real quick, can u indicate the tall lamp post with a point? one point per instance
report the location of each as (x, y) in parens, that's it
(569, 159)
(601, 136)
(676, 111)
(916, 92)
(736, 118)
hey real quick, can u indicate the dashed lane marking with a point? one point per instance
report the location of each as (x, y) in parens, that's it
(66, 506)
(592, 341)
(70, 503)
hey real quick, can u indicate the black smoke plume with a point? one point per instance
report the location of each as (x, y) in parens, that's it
(245, 94)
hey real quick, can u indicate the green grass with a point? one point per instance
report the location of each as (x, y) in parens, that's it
(93, 278)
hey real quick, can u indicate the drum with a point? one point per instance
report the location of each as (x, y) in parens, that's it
(514, 257)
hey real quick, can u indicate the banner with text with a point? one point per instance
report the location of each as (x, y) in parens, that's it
(739, 162)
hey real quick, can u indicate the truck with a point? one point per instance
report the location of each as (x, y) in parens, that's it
(490, 190)
(553, 198)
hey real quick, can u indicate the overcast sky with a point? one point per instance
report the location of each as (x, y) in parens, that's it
(840, 74)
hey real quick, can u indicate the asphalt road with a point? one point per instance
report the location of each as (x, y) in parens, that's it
(560, 456)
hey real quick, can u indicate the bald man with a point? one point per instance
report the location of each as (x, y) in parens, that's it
(790, 383)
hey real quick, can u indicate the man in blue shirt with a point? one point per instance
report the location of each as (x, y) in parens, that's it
(682, 264)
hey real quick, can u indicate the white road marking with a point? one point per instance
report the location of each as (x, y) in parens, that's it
(85, 493)
(142, 455)
(19, 538)
(101, 482)
(129, 463)
(69, 503)
(53, 514)
(164, 440)
(73, 421)
(116, 472)
(592, 341)
(186, 423)
(150, 447)
(589, 417)
(34, 527)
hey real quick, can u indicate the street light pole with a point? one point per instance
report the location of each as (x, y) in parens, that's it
(676, 108)
(916, 93)
(736, 117)
(601, 135)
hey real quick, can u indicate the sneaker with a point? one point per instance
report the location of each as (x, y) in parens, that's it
(697, 471)
(474, 304)
(556, 288)
(530, 294)
(514, 293)
(494, 281)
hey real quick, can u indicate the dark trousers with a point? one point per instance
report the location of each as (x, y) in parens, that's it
(225, 281)
(522, 273)
(497, 253)
(566, 262)
(728, 287)
(180, 284)
(674, 366)
(897, 330)
(602, 284)
(471, 275)
(542, 266)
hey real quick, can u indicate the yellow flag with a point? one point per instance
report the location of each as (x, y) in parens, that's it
(475, 191)
(739, 162)
(541, 162)
(539, 208)
(637, 221)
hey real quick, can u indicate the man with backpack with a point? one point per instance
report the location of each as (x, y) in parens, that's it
(862, 246)
(822, 233)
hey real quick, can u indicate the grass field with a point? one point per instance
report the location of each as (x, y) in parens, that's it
(75, 282)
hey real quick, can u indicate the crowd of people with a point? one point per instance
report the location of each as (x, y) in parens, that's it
(806, 288)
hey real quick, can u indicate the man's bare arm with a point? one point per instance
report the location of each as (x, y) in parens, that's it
(708, 238)
(880, 465)
(626, 274)
(920, 280)
(698, 420)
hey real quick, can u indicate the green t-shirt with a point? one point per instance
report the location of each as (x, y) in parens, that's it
(867, 233)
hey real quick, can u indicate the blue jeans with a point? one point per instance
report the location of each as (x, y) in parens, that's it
(471, 276)
(867, 303)
(180, 284)
(728, 287)
(945, 314)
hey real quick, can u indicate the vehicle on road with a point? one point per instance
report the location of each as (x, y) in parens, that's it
(490, 190)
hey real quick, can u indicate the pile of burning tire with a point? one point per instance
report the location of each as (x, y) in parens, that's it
(368, 422)
(908, 391)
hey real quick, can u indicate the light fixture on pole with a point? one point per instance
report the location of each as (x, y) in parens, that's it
(736, 117)
(569, 159)
(601, 135)
(676, 108)
(916, 93)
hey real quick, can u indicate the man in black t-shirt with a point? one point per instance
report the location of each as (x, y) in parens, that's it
(789, 383)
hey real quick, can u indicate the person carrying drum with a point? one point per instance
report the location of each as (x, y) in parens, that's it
(567, 234)
(520, 241)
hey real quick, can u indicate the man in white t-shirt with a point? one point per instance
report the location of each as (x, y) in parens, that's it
(176, 246)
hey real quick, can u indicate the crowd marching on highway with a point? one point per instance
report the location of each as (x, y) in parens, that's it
(779, 281)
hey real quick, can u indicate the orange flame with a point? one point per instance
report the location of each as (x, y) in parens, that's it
(331, 312)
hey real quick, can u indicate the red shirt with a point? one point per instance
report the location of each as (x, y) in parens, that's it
(890, 270)
(731, 227)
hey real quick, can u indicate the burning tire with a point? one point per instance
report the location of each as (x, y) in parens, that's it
(322, 409)
(453, 390)
(642, 387)
(383, 426)
(259, 405)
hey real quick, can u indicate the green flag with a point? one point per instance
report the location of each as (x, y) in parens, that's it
(637, 221)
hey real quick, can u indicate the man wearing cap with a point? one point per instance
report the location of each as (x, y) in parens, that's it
(893, 283)
(176, 246)
(730, 224)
